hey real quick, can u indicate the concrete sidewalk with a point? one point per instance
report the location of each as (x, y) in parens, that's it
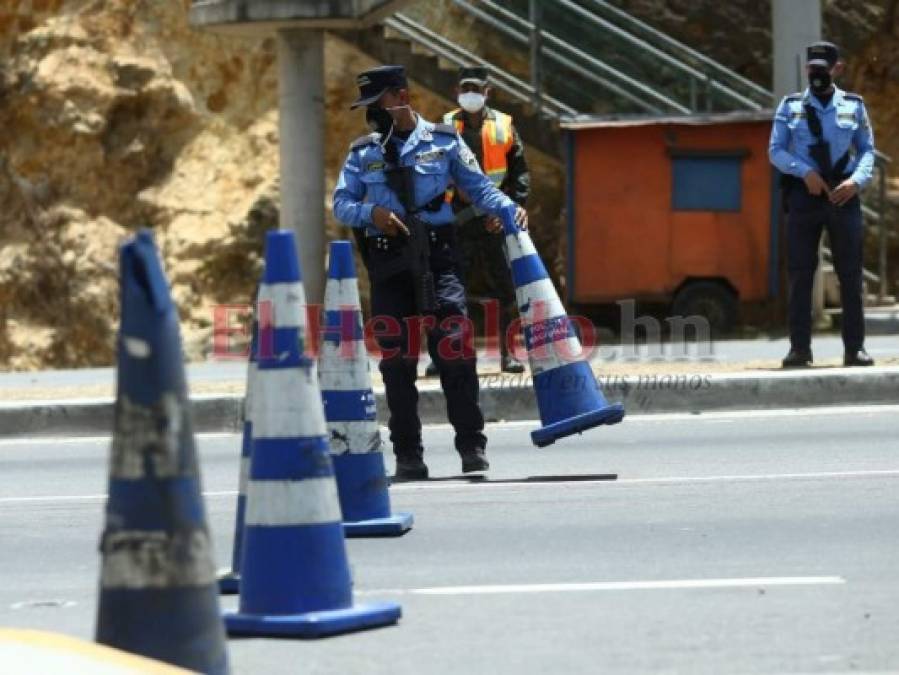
(663, 387)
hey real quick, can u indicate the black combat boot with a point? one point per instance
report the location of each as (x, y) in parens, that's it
(798, 358)
(474, 459)
(857, 358)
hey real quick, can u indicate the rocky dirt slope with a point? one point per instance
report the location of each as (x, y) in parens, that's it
(115, 115)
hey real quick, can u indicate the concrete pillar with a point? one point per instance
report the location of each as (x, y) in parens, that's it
(795, 24)
(302, 113)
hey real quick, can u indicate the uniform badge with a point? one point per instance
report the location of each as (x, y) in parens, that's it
(429, 156)
(374, 166)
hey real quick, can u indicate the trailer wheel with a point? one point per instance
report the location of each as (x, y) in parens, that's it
(709, 299)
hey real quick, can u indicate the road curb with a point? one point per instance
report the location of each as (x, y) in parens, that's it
(512, 398)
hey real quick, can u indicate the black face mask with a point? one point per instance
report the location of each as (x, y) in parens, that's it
(819, 80)
(379, 120)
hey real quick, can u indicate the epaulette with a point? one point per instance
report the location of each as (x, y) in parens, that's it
(853, 97)
(362, 141)
(794, 97)
(441, 128)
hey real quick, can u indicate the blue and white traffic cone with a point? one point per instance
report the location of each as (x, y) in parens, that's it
(350, 408)
(295, 578)
(158, 594)
(568, 396)
(229, 582)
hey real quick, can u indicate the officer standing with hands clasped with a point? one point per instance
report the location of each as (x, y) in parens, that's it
(391, 191)
(823, 145)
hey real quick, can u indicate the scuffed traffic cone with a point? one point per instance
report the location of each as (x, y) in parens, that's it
(295, 579)
(568, 396)
(229, 582)
(350, 408)
(158, 596)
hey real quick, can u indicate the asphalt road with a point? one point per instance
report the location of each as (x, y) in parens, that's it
(729, 543)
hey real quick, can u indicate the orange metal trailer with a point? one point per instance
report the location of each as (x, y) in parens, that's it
(682, 210)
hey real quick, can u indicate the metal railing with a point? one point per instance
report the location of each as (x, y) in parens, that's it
(450, 51)
(563, 76)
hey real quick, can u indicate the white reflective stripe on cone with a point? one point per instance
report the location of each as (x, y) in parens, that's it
(357, 437)
(250, 395)
(288, 404)
(338, 373)
(342, 294)
(137, 559)
(519, 247)
(278, 503)
(540, 300)
(244, 475)
(286, 304)
(555, 354)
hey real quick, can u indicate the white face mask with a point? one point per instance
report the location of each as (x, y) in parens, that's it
(472, 101)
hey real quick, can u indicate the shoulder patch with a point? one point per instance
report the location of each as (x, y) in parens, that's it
(793, 97)
(362, 141)
(853, 97)
(445, 129)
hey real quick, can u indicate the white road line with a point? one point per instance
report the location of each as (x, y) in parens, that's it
(476, 486)
(672, 584)
(90, 498)
(671, 480)
(74, 440)
(827, 411)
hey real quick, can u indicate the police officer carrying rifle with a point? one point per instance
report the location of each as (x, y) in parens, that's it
(391, 191)
(823, 145)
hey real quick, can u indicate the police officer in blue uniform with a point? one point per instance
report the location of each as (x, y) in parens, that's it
(391, 191)
(823, 145)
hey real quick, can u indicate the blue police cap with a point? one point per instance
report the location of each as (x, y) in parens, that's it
(474, 74)
(373, 83)
(822, 54)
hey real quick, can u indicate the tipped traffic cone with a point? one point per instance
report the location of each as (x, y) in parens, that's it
(567, 394)
(229, 582)
(350, 408)
(295, 579)
(158, 596)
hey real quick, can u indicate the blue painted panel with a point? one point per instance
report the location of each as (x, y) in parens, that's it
(711, 183)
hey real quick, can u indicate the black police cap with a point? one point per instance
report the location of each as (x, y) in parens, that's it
(822, 54)
(476, 74)
(373, 83)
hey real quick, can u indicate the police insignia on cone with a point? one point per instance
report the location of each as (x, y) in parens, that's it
(350, 407)
(295, 578)
(568, 397)
(229, 582)
(158, 596)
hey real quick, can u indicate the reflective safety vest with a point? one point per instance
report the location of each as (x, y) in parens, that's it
(496, 141)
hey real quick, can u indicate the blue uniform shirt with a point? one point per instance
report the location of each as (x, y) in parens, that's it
(844, 124)
(439, 158)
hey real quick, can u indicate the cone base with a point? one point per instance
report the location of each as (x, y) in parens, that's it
(314, 624)
(547, 435)
(229, 583)
(392, 526)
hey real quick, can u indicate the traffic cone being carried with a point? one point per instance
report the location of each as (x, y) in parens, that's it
(568, 396)
(350, 407)
(158, 596)
(295, 578)
(229, 582)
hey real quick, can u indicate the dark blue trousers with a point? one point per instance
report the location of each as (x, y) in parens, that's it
(450, 344)
(808, 216)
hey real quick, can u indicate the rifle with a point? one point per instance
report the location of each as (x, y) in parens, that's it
(417, 247)
(819, 151)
